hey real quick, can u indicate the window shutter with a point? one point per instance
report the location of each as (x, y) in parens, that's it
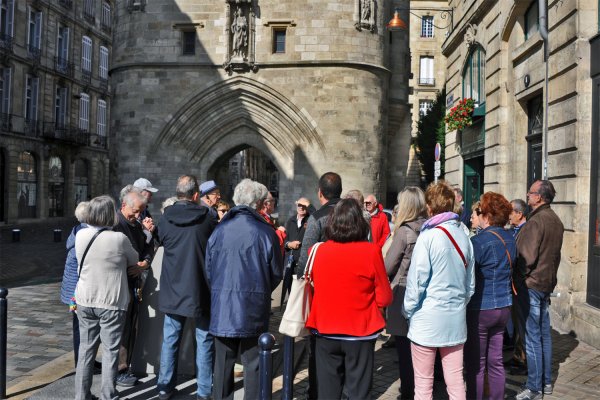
(86, 53)
(6, 91)
(84, 112)
(64, 51)
(37, 43)
(10, 9)
(35, 85)
(101, 118)
(103, 66)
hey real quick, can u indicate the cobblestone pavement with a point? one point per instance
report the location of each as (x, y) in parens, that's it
(39, 331)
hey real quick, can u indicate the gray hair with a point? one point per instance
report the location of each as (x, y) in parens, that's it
(249, 193)
(126, 190)
(187, 186)
(519, 206)
(168, 202)
(102, 211)
(356, 195)
(133, 196)
(546, 191)
(81, 211)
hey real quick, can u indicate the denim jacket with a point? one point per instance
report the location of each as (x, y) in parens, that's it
(492, 271)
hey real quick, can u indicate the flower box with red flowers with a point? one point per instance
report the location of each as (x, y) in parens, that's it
(461, 115)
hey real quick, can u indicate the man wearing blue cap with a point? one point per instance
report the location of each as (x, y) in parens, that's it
(210, 195)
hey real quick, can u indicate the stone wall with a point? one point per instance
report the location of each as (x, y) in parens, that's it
(322, 105)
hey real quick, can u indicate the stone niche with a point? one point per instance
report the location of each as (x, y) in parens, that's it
(241, 33)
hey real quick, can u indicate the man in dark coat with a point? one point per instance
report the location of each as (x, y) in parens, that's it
(243, 267)
(295, 228)
(132, 205)
(183, 231)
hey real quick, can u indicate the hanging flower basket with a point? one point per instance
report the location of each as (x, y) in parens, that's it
(461, 115)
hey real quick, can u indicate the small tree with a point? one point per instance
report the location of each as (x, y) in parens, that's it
(432, 130)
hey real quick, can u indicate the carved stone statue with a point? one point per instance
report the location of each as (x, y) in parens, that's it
(239, 29)
(365, 11)
(470, 34)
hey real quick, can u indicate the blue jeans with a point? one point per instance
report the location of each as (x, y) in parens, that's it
(538, 342)
(169, 354)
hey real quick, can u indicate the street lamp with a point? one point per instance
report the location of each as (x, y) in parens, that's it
(396, 23)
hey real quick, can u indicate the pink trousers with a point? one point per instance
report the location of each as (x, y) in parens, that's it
(423, 359)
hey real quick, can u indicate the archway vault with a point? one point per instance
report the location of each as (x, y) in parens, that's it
(206, 119)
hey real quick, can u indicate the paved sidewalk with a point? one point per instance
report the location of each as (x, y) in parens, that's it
(40, 344)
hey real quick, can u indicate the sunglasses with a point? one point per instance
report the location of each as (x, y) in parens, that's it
(302, 206)
(223, 210)
(368, 203)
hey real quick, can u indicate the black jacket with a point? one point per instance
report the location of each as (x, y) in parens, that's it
(135, 233)
(294, 233)
(183, 231)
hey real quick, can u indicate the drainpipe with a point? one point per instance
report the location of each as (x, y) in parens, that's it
(543, 25)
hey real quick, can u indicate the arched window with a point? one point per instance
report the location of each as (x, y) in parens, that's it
(474, 76)
(26, 185)
(80, 181)
(56, 187)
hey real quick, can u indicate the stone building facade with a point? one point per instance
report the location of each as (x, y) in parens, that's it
(496, 56)
(315, 86)
(54, 106)
(430, 24)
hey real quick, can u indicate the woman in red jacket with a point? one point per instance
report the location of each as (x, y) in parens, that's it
(350, 289)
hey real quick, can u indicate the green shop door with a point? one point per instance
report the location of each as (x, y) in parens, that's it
(473, 185)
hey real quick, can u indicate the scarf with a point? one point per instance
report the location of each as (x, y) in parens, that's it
(439, 219)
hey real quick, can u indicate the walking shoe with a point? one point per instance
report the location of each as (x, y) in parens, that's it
(198, 397)
(548, 389)
(527, 394)
(164, 395)
(126, 379)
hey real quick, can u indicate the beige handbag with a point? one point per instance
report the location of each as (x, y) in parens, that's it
(293, 322)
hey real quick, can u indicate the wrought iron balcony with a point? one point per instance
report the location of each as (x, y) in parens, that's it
(65, 133)
(89, 16)
(6, 122)
(66, 3)
(104, 85)
(98, 141)
(105, 26)
(32, 127)
(6, 42)
(86, 76)
(426, 81)
(34, 53)
(63, 66)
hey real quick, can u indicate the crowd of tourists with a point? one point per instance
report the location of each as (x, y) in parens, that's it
(450, 285)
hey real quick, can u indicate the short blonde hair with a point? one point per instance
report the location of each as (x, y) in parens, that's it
(439, 197)
(81, 211)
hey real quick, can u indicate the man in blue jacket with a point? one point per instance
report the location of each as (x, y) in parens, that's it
(183, 231)
(243, 266)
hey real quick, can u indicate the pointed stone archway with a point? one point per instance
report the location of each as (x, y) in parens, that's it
(239, 113)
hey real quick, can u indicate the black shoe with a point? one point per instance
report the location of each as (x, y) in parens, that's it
(198, 397)
(165, 396)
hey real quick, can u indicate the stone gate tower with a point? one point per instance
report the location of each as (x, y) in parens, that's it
(315, 86)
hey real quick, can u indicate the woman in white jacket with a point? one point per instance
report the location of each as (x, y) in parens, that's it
(440, 283)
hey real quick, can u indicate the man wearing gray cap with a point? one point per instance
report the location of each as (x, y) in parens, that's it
(147, 191)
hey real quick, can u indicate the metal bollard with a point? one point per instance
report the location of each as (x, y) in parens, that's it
(3, 339)
(266, 341)
(288, 368)
(16, 235)
(58, 235)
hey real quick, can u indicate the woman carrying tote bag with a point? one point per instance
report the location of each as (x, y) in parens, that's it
(350, 289)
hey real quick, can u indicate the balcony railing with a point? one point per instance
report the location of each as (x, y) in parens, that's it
(104, 85)
(86, 76)
(89, 16)
(66, 3)
(34, 53)
(6, 42)
(63, 66)
(98, 141)
(6, 122)
(65, 133)
(105, 26)
(426, 81)
(32, 127)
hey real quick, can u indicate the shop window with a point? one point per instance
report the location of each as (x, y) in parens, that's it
(80, 181)
(26, 185)
(56, 188)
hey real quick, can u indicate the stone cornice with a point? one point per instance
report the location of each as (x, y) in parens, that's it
(270, 64)
(474, 15)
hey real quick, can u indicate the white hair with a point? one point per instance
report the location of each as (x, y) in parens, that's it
(81, 211)
(128, 189)
(168, 202)
(249, 193)
(133, 196)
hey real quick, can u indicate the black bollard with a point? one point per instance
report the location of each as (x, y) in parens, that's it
(16, 235)
(58, 235)
(288, 368)
(266, 341)
(3, 339)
